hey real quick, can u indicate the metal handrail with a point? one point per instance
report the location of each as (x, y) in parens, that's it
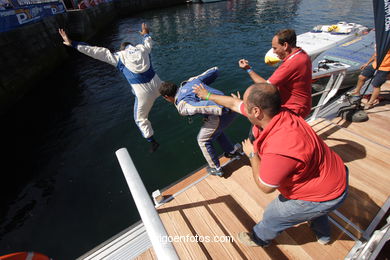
(337, 76)
(153, 224)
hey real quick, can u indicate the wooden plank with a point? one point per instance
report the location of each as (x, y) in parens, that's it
(228, 212)
(214, 223)
(169, 219)
(330, 132)
(368, 167)
(373, 129)
(147, 255)
(189, 180)
(288, 241)
(367, 161)
(253, 198)
(235, 219)
(305, 238)
(358, 208)
(339, 248)
(200, 227)
(371, 184)
(244, 180)
(178, 225)
(184, 183)
(153, 254)
(246, 193)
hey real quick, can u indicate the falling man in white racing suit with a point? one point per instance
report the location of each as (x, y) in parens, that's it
(135, 64)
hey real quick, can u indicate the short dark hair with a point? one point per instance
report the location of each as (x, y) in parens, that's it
(124, 45)
(287, 35)
(265, 96)
(168, 89)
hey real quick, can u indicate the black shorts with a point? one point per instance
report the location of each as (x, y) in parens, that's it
(379, 78)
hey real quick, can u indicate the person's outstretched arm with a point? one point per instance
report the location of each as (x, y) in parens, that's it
(232, 103)
(99, 53)
(148, 43)
(244, 64)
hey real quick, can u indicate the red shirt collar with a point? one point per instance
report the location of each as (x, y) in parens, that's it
(293, 53)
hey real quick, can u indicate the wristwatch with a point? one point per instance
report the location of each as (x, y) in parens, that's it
(251, 155)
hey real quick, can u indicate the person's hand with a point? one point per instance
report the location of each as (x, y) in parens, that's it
(244, 64)
(238, 96)
(65, 37)
(144, 29)
(247, 147)
(200, 91)
(363, 66)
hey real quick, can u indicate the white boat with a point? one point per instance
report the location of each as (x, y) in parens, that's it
(352, 54)
(322, 38)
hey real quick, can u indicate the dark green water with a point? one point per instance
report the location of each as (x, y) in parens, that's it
(65, 192)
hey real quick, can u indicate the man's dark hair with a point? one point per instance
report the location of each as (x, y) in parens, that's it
(124, 45)
(287, 35)
(265, 96)
(168, 89)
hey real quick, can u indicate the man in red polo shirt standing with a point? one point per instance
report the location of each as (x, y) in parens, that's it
(293, 77)
(290, 157)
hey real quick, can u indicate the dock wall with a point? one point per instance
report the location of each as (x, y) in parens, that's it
(30, 53)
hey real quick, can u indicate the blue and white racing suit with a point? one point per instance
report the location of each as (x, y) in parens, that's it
(216, 117)
(135, 64)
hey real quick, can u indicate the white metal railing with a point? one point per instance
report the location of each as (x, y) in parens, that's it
(337, 76)
(153, 224)
(373, 239)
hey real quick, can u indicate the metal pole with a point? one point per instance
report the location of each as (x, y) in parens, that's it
(154, 227)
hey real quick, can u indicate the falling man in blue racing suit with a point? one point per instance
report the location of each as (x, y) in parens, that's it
(216, 117)
(135, 64)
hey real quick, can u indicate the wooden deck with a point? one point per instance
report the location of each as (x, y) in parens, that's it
(224, 206)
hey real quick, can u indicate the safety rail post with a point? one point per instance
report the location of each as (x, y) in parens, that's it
(336, 78)
(153, 224)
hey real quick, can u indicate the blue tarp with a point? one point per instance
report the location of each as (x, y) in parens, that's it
(11, 18)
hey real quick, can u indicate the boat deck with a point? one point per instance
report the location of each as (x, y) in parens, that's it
(220, 207)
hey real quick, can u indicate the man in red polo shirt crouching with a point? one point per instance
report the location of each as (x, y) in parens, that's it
(289, 156)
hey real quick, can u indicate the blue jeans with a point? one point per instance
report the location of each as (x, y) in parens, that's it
(283, 213)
